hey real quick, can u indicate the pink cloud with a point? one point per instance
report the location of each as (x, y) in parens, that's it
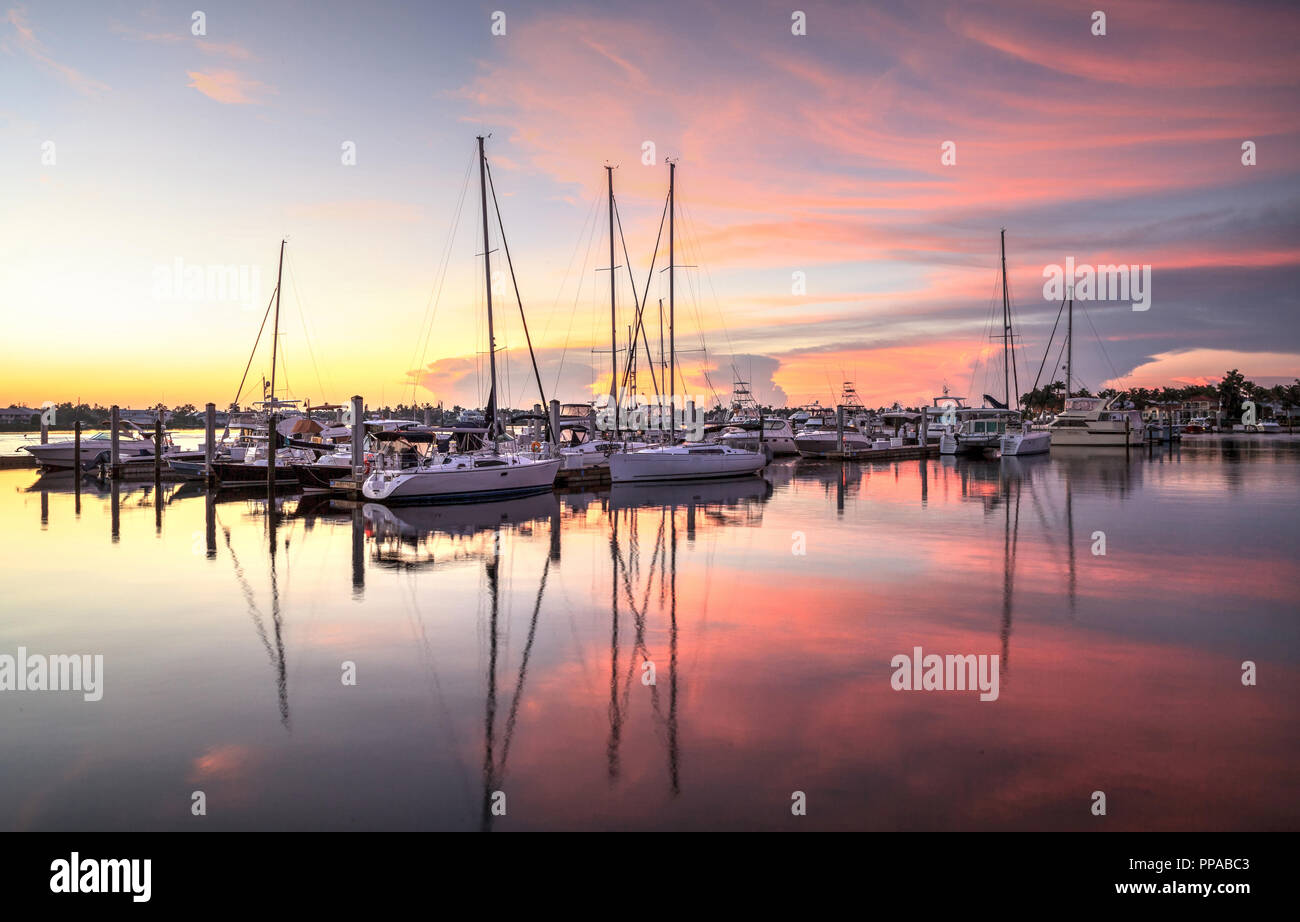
(228, 87)
(35, 49)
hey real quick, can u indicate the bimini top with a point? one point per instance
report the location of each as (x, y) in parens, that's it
(420, 437)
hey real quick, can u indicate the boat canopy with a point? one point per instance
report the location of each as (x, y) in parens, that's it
(413, 436)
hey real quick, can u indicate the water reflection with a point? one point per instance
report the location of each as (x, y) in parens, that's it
(507, 647)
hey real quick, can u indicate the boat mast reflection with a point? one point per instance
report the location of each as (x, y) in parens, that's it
(275, 653)
(494, 769)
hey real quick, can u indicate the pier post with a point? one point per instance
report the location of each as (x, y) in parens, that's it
(839, 429)
(272, 440)
(687, 413)
(555, 422)
(357, 437)
(115, 511)
(210, 438)
(923, 433)
(427, 418)
(157, 447)
(76, 465)
(358, 552)
(45, 431)
(210, 523)
(114, 441)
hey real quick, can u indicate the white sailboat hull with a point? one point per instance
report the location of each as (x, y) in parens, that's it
(454, 483)
(678, 463)
(1031, 442)
(961, 444)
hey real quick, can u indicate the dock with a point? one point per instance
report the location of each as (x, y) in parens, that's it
(582, 478)
(902, 453)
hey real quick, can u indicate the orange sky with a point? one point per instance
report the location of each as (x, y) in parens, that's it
(816, 154)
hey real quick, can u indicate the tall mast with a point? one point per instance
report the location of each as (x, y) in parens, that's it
(662, 364)
(613, 334)
(487, 275)
(275, 339)
(672, 304)
(1006, 326)
(1069, 343)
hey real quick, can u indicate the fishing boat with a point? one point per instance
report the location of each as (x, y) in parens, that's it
(824, 438)
(134, 444)
(690, 461)
(468, 477)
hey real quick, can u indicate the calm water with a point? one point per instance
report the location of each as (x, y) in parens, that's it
(500, 647)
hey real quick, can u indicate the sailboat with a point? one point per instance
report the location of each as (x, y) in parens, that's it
(468, 477)
(688, 461)
(594, 450)
(975, 430)
(251, 466)
(1026, 440)
(1090, 421)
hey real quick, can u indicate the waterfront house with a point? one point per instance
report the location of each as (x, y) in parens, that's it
(19, 416)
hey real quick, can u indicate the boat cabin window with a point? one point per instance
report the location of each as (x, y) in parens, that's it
(489, 462)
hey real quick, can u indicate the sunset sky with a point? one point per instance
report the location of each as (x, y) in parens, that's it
(129, 145)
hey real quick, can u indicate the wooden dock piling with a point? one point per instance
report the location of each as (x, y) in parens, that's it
(210, 439)
(158, 447)
(114, 442)
(358, 435)
(76, 465)
(272, 438)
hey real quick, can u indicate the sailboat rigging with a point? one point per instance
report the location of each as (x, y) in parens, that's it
(688, 461)
(467, 477)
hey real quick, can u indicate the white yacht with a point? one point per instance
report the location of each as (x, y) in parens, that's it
(777, 434)
(690, 461)
(133, 443)
(1095, 421)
